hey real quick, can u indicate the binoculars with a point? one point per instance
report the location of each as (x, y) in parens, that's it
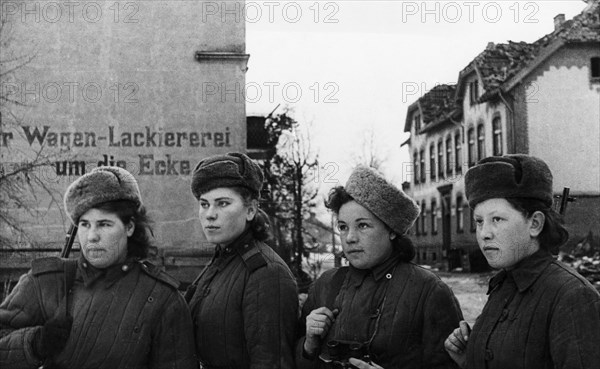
(339, 352)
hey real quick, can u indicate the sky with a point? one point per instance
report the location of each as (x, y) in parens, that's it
(350, 67)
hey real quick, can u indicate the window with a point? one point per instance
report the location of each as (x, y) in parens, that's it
(440, 160)
(497, 127)
(434, 225)
(432, 162)
(418, 225)
(416, 167)
(424, 256)
(480, 142)
(473, 92)
(457, 152)
(595, 69)
(449, 156)
(460, 220)
(471, 137)
(423, 218)
(417, 122)
(422, 169)
(434, 256)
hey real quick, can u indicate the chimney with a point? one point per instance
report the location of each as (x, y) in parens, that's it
(558, 21)
(490, 46)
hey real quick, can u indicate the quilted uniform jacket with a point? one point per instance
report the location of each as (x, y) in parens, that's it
(126, 316)
(404, 309)
(542, 314)
(244, 307)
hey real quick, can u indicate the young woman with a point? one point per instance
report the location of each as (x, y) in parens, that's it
(382, 309)
(108, 309)
(540, 313)
(244, 304)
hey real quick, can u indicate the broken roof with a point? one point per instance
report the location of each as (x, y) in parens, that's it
(435, 104)
(498, 63)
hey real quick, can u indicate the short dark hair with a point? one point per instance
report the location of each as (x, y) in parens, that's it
(260, 225)
(554, 234)
(139, 242)
(338, 196)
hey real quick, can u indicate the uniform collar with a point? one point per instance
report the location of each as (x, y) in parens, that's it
(529, 269)
(384, 269)
(90, 274)
(223, 254)
(525, 273)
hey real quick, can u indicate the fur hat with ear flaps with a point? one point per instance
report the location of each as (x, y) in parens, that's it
(229, 170)
(509, 176)
(389, 203)
(102, 184)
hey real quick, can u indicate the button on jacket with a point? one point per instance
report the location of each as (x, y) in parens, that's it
(406, 310)
(244, 308)
(541, 314)
(126, 316)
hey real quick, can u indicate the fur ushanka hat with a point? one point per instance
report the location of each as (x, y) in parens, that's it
(102, 184)
(229, 170)
(389, 203)
(509, 176)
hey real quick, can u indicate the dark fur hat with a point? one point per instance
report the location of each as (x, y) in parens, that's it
(229, 170)
(102, 184)
(389, 203)
(509, 176)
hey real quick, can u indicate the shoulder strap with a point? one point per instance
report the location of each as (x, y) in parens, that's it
(158, 274)
(253, 258)
(336, 285)
(70, 270)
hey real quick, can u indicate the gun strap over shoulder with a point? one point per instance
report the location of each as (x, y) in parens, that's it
(70, 270)
(336, 285)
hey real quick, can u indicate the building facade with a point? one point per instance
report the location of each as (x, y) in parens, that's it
(540, 98)
(151, 86)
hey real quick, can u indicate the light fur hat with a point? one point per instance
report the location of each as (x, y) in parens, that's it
(389, 203)
(103, 184)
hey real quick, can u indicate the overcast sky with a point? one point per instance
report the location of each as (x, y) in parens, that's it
(351, 65)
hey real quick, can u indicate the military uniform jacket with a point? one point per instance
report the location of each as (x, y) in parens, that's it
(244, 307)
(403, 310)
(126, 316)
(541, 314)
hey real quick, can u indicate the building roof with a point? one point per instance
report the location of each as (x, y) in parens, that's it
(501, 66)
(500, 63)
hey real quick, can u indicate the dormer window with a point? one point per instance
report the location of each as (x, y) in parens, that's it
(473, 92)
(417, 122)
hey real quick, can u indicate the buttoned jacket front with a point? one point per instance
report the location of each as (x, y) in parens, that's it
(244, 307)
(126, 316)
(541, 314)
(403, 310)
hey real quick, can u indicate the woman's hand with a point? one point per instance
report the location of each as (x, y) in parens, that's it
(363, 365)
(456, 343)
(318, 323)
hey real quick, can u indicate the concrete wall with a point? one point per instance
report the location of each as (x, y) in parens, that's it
(563, 112)
(152, 86)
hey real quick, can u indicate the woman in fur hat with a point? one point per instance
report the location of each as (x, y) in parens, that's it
(109, 308)
(382, 310)
(244, 303)
(540, 313)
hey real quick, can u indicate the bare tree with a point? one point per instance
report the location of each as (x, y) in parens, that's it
(371, 153)
(290, 184)
(19, 179)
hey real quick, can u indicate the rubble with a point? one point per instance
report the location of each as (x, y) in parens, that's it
(587, 266)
